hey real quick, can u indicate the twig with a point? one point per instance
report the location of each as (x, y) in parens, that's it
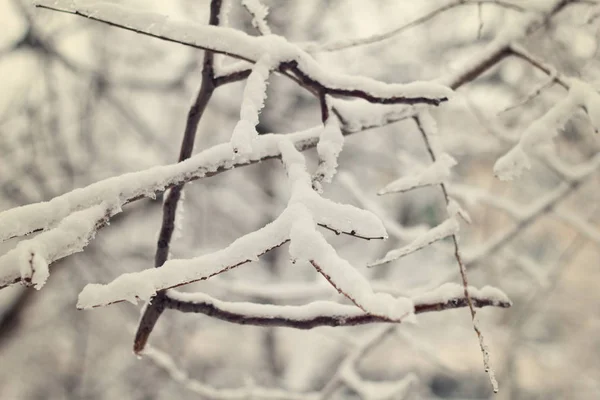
(459, 261)
(353, 43)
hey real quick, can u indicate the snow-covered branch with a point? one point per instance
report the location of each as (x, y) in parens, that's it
(436, 173)
(290, 58)
(28, 262)
(259, 15)
(445, 229)
(325, 313)
(542, 130)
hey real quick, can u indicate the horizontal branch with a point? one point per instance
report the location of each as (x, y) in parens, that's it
(326, 313)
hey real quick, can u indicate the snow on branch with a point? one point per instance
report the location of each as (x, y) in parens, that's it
(447, 228)
(392, 227)
(234, 43)
(308, 245)
(144, 285)
(253, 100)
(436, 173)
(129, 187)
(28, 262)
(123, 189)
(326, 313)
(329, 148)
(542, 130)
(259, 14)
(428, 129)
(305, 205)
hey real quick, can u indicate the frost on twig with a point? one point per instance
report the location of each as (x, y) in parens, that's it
(541, 131)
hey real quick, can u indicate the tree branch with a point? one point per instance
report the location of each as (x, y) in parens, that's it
(155, 308)
(319, 313)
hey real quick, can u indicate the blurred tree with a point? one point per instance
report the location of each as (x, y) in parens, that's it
(83, 101)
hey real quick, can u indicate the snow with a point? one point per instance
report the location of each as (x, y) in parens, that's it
(240, 45)
(122, 189)
(340, 217)
(308, 245)
(144, 285)
(397, 230)
(434, 174)
(303, 312)
(450, 291)
(447, 228)
(259, 15)
(329, 147)
(297, 223)
(30, 259)
(542, 130)
(359, 114)
(253, 100)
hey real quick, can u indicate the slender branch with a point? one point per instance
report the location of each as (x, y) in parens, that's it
(548, 69)
(154, 309)
(500, 48)
(460, 262)
(354, 43)
(301, 317)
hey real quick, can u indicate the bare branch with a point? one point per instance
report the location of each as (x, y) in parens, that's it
(353, 43)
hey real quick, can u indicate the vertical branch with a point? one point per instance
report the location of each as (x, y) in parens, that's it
(154, 309)
(461, 265)
(324, 106)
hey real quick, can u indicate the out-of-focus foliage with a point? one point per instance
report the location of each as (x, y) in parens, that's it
(81, 101)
